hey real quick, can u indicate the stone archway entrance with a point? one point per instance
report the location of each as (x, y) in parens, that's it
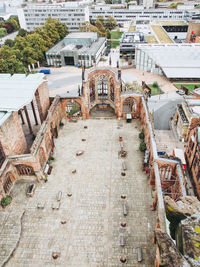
(102, 111)
(73, 109)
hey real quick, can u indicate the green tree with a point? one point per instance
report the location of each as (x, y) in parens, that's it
(9, 42)
(3, 32)
(110, 23)
(22, 32)
(14, 23)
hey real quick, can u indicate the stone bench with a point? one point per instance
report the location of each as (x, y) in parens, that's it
(124, 167)
(139, 254)
(122, 240)
(59, 196)
(125, 210)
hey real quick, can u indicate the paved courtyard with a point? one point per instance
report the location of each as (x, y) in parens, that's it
(86, 229)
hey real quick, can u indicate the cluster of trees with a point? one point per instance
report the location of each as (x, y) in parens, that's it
(30, 47)
(100, 25)
(9, 26)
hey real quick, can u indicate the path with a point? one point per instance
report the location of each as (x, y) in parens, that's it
(91, 235)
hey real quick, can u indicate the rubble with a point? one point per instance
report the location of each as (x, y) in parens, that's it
(184, 217)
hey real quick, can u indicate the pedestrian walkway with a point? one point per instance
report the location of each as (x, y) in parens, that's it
(86, 230)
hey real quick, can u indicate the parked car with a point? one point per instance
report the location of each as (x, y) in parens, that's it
(45, 71)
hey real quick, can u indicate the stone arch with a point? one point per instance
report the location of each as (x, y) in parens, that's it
(73, 108)
(92, 90)
(8, 182)
(129, 105)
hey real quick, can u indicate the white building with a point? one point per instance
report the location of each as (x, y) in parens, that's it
(71, 13)
(175, 61)
(137, 13)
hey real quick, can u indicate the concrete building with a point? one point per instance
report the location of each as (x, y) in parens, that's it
(122, 15)
(175, 61)
(77, 49)
(128, 43)
(71, 13)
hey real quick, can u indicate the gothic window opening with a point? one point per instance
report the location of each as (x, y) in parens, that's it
(25, 170)
(8, 182)
(73, 109)
(129, 105)
(102, 87)
(2, 156)
(112, 90)
(92, 91)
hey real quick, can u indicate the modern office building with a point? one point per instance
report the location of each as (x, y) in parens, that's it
(128, 43)
(79, 49)
(122, 15)
(71, 13)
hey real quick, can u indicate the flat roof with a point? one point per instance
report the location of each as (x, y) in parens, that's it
(93, 49)
(176, 60)
(81, 35)
(18, 90)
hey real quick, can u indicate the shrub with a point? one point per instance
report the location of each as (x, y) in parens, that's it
(155, 84)
(142, 146)
(6, 201)
(141, 135)
(61, 124)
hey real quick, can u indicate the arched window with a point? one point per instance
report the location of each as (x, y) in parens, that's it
(102, 87)
(92, 90)
(112, 90)
(73, 108)
(129, 105)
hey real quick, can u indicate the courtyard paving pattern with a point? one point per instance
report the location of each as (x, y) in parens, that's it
(89, 235)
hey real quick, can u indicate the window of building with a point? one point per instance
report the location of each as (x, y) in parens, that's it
(129, 105)
(102, 87)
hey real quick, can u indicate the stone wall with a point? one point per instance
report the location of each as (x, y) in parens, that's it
(42, 99)
(12, 136)
(33, 164)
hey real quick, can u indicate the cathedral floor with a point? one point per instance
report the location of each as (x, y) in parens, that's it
(86, 230)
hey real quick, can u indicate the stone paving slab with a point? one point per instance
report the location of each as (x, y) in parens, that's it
(91, 235)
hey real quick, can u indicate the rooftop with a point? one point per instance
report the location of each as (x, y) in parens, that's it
(18, 90)
(176, 60)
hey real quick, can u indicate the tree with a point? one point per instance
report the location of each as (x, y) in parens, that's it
(14, 23)
(110, 23)
(22, 32)
(3, 32)
(9, 42)
(9, 27)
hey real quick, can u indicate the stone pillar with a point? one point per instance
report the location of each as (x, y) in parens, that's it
(28, 120)
(34, 113)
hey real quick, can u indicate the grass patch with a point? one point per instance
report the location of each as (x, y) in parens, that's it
(115, 35)
(190, 87)
(151, 39)
(113, 44)
(161, 34)
(155, 90)
(74, 109)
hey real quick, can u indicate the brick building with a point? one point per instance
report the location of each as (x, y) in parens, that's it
(28, 124)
